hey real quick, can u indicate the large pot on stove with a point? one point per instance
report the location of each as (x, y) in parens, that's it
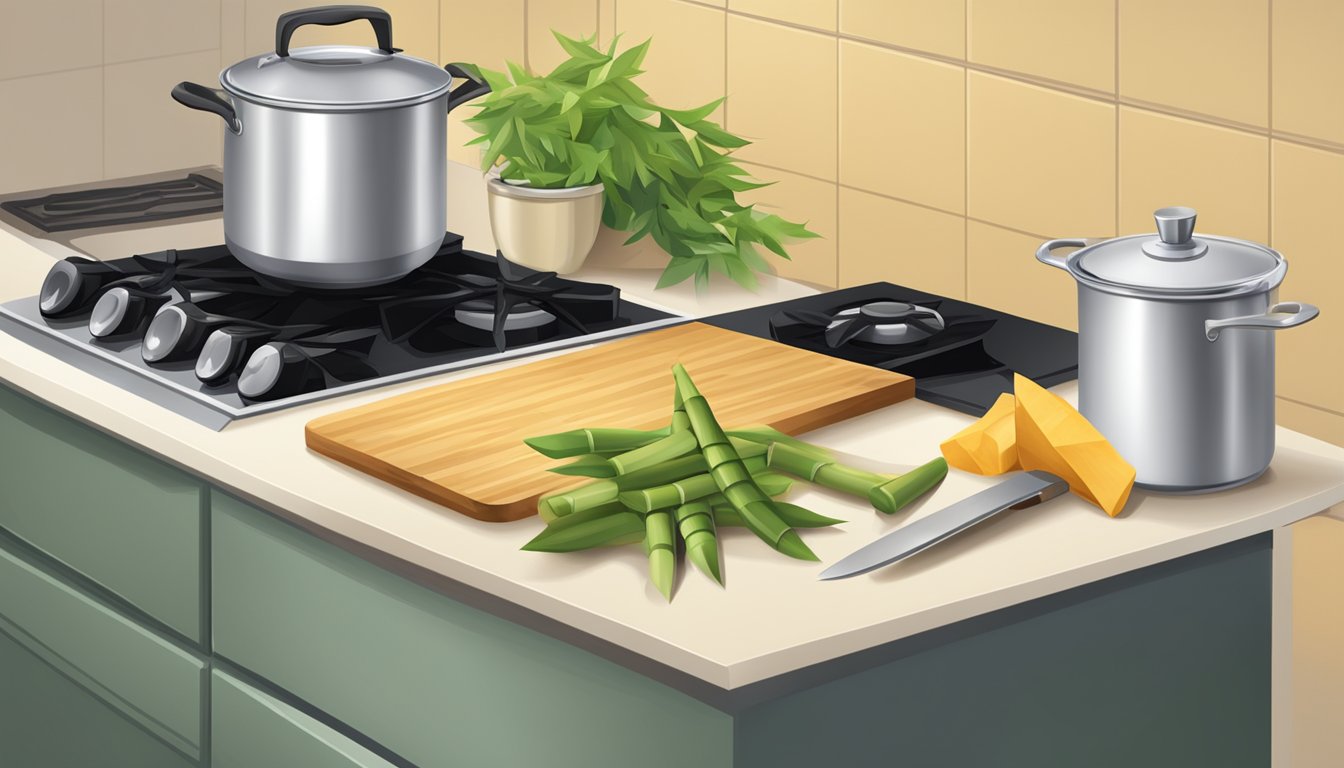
(1176, 349)
(335, 155)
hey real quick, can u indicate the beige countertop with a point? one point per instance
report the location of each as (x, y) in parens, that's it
(773, 617)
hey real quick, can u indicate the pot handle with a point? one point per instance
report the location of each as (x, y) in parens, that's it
(1285, 314)
(473, 88)
(330, 15)
(1044, 255)
(207, 100)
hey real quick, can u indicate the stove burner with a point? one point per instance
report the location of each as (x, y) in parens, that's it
(884, 322)
(961, 356)
(480, 314)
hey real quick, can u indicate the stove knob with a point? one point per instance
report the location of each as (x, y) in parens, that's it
(72, 283)
(177, 332)
(225, 351)
(120, 311)
(279, 369)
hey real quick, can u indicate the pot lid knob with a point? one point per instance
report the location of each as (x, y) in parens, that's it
(1175, 225)
(1176, 235)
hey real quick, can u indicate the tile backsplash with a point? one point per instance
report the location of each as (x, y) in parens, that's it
(931, 142)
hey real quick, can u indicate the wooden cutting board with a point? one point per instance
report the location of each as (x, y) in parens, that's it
(461, 443)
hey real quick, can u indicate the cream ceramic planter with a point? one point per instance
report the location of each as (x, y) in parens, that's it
(551, 230)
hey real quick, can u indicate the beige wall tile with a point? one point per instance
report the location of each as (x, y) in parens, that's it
(818, 14)
(937, 26)
(232, 31)
(799, 198)
(60, 138)
(782, 95)
(1072, 41)
(1222, 173)
(489, 35)
(1308, 198)
(1040, 160)
(884, 239)
(1207, 56)
(911, 141)
(1002, 272)
(147, 131)
(1309, 68)
(671, 76)
(415, 27)
(143, 29)
(50, 36)
(572, 18)
(1320, 424)
(606, 21)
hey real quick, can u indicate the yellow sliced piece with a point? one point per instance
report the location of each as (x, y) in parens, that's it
(1052, 436)
(989, 446)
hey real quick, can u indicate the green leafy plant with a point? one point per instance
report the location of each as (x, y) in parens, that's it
(666, 173)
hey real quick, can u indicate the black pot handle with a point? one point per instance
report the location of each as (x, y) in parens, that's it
(474, 87)
(207, 100)
(330, 15)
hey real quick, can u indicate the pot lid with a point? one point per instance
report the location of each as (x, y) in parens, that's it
(336, 78)
(1177, 261)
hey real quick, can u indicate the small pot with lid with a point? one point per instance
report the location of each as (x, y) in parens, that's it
(334, 155)
(1176, 349)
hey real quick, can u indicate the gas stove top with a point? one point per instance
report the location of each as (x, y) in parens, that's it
(961, 356)
(201, 334)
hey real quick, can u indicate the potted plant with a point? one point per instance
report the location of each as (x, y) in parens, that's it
(585, 145)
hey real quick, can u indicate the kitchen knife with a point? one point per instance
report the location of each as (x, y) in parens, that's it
(1034, 486)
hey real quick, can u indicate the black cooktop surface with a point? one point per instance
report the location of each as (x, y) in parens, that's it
(961, 355)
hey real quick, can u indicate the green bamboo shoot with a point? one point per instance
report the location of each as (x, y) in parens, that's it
(661, 545)
(887, 493)
(732, 478)
(595, 527)
(695, 521)
(563, 445)
(679, 491)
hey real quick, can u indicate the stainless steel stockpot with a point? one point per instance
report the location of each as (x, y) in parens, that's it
(334, 156)
(1176, 350)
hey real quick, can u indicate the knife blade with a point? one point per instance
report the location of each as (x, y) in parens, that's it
(947, 522)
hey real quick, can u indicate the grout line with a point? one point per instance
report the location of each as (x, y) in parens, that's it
(1305, 404)
(1269, 120)
(1116, 74)
(966, 153)
(894, 198)
(527, 30)
(724, 106)
(838, 91)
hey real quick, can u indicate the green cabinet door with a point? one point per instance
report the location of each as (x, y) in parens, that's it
(49, 721)
(250, 729)
(108, 511)
(150, 680)
(432, 680)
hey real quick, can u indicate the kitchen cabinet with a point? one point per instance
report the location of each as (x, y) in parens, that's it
(47, 719)
(431, 679)
(250, 728)
(128, 522)
(1167, 663)
(150, 681)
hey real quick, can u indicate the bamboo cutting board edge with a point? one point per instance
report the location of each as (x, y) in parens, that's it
(358, 437)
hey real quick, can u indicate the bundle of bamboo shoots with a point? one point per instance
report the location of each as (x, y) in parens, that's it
(680, 484)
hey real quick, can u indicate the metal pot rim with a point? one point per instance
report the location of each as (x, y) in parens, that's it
(1259, 284)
